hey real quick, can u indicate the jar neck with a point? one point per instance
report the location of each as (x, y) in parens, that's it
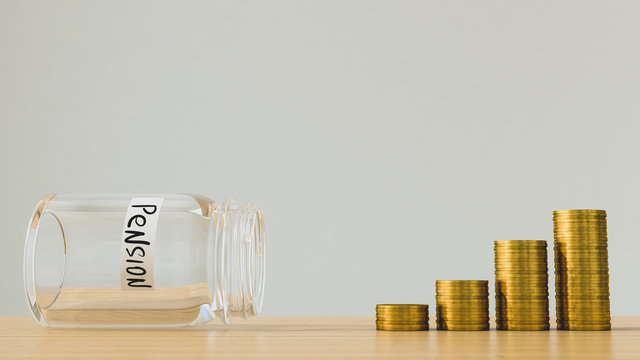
(237, 265)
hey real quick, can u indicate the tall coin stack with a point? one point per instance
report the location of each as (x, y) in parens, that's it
(407, 317)
(462, 304)
(582, 270)
(522, 290)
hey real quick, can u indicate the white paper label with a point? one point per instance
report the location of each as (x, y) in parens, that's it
(138, 241)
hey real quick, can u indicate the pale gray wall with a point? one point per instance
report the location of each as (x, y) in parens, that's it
(388, 142)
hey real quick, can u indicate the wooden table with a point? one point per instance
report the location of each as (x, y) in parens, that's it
(313, 338)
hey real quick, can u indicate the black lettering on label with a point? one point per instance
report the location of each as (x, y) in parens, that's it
(136, 270)
(132, 252)
(138, 242)
(134, 234)
(141, 222)
(144, 208)
(134, 283)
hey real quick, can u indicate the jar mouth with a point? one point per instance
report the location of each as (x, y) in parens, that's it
(45, 245)
(257, 262)
(241, 260)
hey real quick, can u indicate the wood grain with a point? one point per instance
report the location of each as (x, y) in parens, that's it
(313, 338)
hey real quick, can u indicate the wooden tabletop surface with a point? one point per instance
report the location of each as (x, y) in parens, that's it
(313, 338)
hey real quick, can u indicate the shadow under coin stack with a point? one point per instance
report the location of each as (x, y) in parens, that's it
(522, 290)
(462, 304)
(407, 317)
(582, 270)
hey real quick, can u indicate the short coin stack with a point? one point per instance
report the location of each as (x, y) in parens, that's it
(462, 304)
(522, 290)
(582, 270)
(407, 317)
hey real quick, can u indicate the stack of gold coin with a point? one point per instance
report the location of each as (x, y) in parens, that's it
(407, 317)
(462, 304)
(582, 270)
(522, 290)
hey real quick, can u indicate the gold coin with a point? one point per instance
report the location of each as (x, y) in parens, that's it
(526, 260)
(513, 257)
(587, 268)
(456, 327)
(578, 249)
(569, 223)
(586, 299)
(584, 293)
(464, 312)
(592, 321)
(533, 320)
(563, 249)
(522, 293)
(462, 308)
(462, 302)
(403, 319)
(517, 307)
(522, 316)
(523, 327)
(578, 262)
(586, 239)
(418, 327)
(450, 322)
(462, 284)
(564, 220)
(389, 322)
(574, 282)
(520, 243)
(567, 310)
(469, 291)
(463, 294)
(401, 311)
(522, 277)
(580, 276)
(471, 314)
(585, 318)
(415, 307)
(521, 284)
(580, 211)
(585, 327)
(462, 320)
(573, 259)
(567, 288)
(530, 309)
(499, 252)
(523, 319)
(523, 306)
(570, 219)
(518, 272)
(502, 299)
(578, 259)
(581, 242)
(582, 307)
(584, 236)
(521, 261)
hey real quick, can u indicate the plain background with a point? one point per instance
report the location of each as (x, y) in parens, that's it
(388, 142)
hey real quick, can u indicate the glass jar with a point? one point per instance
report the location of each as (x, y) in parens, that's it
(143, 260)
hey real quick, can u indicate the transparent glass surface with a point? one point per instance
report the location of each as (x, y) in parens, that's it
(208, 262)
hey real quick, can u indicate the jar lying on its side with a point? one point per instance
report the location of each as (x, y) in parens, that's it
(143, 260)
